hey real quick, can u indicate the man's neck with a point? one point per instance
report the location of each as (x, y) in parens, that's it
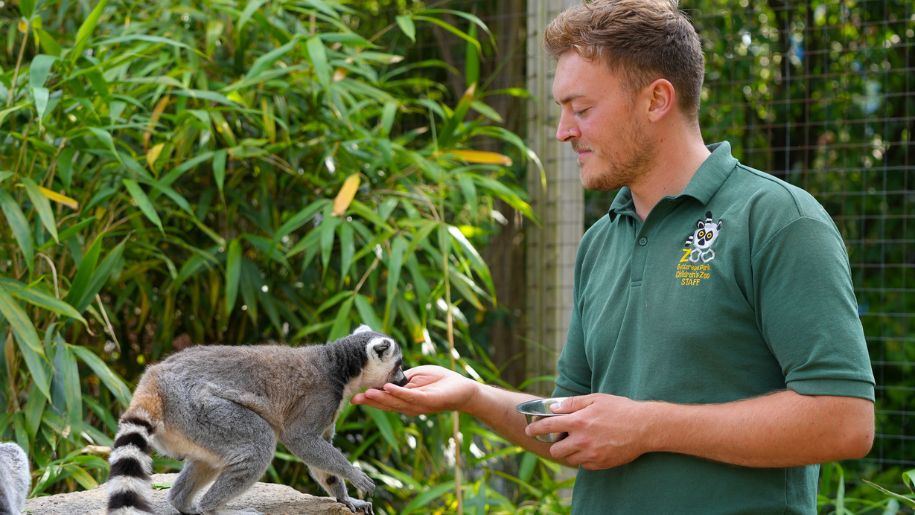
(675, 163)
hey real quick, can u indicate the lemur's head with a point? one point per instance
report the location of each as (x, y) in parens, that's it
(385, 360)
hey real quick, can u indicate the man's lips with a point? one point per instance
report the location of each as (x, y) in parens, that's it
(582, 152)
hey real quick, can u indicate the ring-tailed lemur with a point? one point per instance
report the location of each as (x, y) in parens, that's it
(222, 409)
(14, 478)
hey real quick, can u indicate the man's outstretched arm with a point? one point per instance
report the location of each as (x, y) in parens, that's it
(432, 389)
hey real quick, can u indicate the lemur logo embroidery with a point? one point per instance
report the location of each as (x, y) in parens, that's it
(699, 243)
(694, 266)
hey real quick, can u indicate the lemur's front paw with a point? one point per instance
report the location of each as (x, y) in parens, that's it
(363, 482)
(358, 505)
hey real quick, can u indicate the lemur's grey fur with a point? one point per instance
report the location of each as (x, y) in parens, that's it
(14, 478)
(222, 409)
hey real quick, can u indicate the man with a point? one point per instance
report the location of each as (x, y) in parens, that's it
(715, 352)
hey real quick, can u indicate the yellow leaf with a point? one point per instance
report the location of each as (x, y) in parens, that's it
(483, 157)
(236, 97)
(153, 154)
(57, 197)
(23, 25)
(346, 194)
(156, 113)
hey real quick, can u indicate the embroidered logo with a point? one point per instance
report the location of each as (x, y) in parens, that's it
(694, 265)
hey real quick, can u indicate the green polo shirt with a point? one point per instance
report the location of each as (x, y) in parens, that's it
(737, 287)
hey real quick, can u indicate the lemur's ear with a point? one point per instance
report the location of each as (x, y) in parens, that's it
(362, 329)
(382, 347)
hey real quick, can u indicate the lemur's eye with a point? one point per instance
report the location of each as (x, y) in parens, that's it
(701, 234)
(710, 234)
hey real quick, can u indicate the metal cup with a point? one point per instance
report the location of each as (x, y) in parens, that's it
(536, 409)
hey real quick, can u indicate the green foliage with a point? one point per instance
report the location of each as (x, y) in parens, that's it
(234, 172)
(863, 496)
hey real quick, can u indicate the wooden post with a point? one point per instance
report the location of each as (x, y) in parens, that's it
(559, 205)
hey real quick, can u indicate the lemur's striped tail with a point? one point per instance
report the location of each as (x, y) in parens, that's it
(128, 483)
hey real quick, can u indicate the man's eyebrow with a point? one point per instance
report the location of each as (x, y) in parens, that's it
(568, 98)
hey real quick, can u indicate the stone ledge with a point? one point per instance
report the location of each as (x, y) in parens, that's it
(266, 498)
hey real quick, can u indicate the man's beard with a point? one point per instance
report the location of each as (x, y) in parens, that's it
(639, 152)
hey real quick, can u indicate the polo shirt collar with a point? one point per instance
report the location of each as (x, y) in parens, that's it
(705, 183)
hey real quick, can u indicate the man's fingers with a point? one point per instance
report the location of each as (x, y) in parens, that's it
(572, 404)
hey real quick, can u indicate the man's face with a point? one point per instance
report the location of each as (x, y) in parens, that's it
(599, 118)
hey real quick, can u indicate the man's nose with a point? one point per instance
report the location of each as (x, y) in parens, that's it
(566, 131)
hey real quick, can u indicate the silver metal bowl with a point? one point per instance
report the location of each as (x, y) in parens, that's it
(539, 408)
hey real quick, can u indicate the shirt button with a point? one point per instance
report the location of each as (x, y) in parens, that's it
(643, 241)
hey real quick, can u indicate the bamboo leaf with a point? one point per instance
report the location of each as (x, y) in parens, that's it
(86, 29)
(526, 470)
(233, 274)
(26, 8)
(427, 496)
(347, 248)
(48, 43)
(341, 320)
(115, 385)
(299, 219)
(153, 154)
(482, 157)
(346, 194)
(19, 322)
(367, 312)
(265, 61)
(84, 270)
(41, 204)
(318, 55)
(101, 275)
(452, 29)
(66, 381)
(34, 410)
(394, 265)
(29, 345)
(40, 69)
(219, 168)
(145, 38)
(476, 260)
(142, 201)
(327, 230)
(406, 24)
(42, 300)
(472, 59)
(19, 225)
(40, 97)
(385, 427)
(59, 198)
(449, 130)
(249, 11)
(387, 117)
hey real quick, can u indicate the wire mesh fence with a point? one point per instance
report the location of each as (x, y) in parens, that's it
(821, 94)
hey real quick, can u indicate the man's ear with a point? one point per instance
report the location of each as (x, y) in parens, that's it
(362, 329)
(662, 99)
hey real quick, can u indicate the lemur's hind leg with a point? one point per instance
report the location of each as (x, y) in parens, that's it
(246, 446)
(194, 475)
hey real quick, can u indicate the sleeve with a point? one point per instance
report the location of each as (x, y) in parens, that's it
(808, 313)
(573, 371)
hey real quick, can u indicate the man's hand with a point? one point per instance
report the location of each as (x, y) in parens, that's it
(430, 389)
(604, 431)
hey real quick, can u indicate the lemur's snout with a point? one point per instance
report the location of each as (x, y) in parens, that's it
(400, 379)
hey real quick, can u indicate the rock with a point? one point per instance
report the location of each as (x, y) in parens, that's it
(265, 498)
